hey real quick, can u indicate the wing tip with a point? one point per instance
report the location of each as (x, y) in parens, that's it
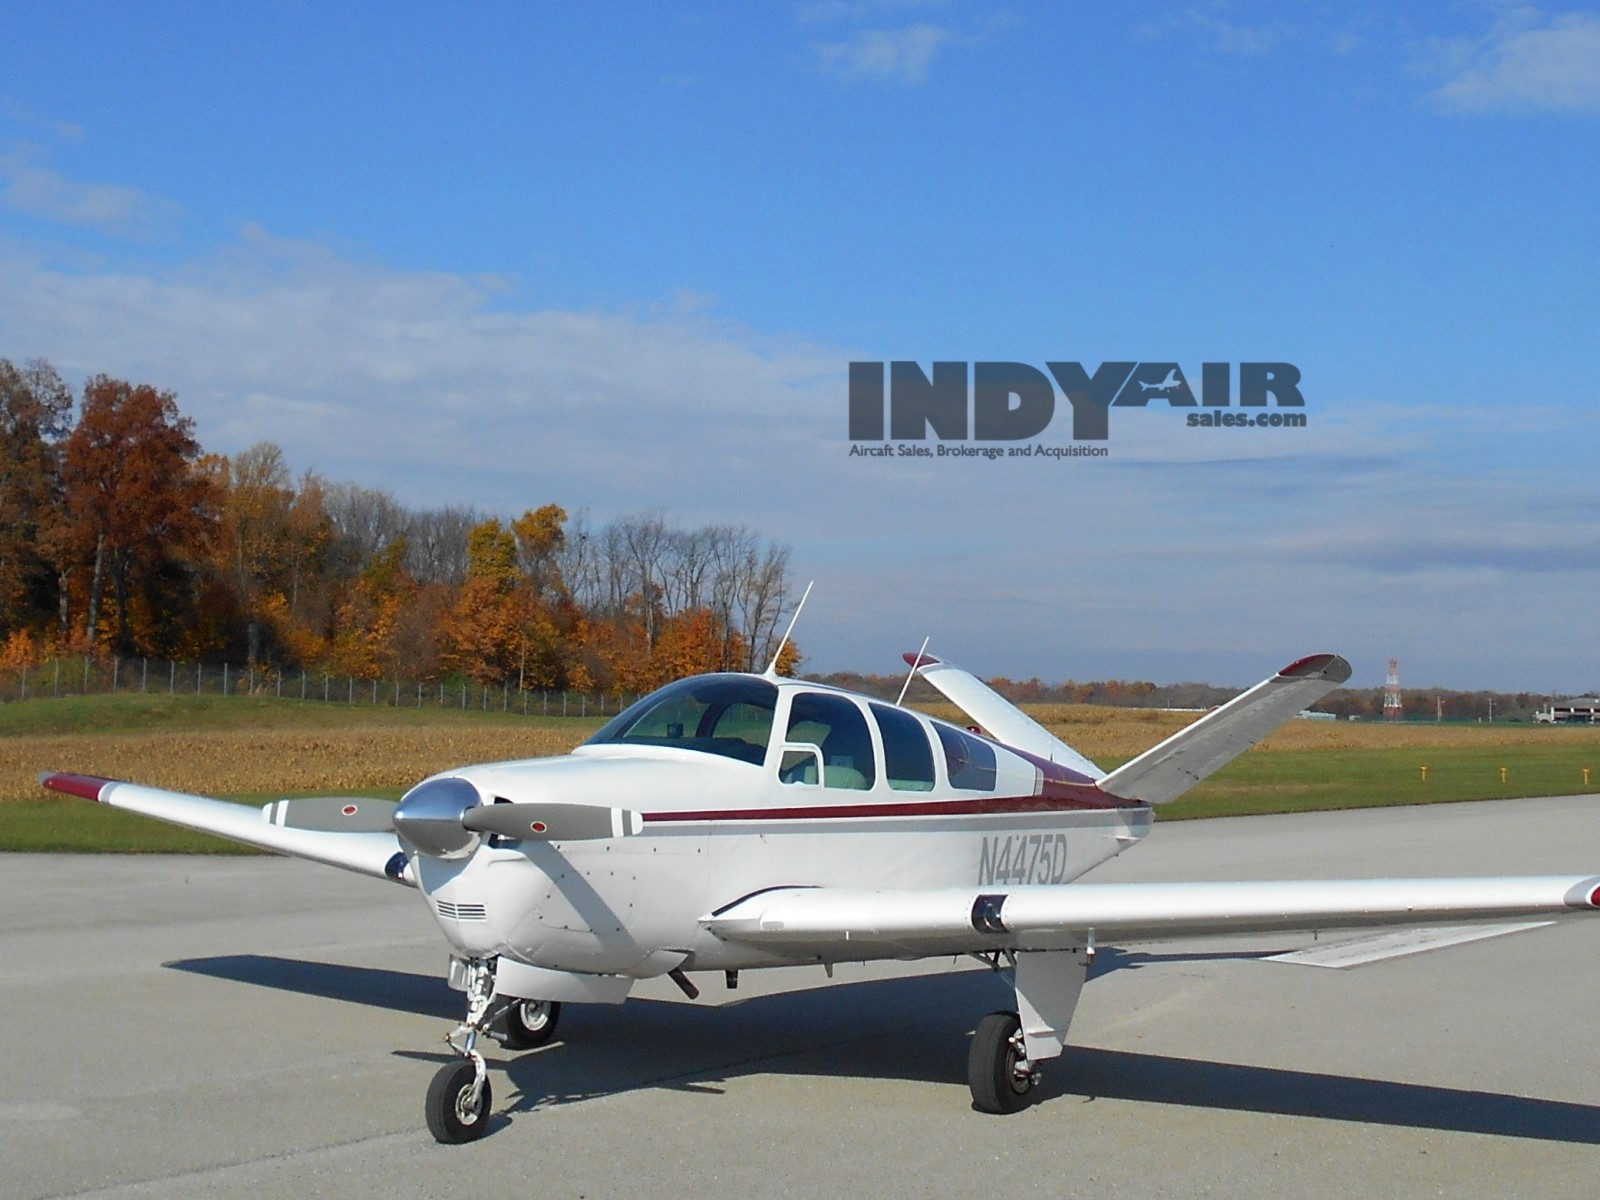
(85, 787)
(916, 661)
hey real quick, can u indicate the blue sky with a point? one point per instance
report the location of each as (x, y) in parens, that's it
(619, 257)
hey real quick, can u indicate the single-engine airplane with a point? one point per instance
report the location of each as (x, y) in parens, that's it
(734, 821)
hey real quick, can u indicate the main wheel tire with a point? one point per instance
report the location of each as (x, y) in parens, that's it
(992, 1066)
(530, 1023)
(452, 1117)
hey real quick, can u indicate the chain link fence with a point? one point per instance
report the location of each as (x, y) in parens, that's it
(87, 675)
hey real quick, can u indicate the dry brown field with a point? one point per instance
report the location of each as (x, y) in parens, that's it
(373, 755)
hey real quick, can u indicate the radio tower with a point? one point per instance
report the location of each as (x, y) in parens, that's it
(1391, 692)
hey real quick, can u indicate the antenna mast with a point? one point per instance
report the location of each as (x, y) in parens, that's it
(772, 668)
(915, 663)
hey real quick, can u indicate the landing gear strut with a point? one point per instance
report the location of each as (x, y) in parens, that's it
(459, 1096)
(998, 1070)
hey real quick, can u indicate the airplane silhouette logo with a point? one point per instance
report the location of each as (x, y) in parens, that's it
(1166, 385)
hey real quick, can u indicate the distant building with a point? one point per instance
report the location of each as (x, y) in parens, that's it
(1585, 710)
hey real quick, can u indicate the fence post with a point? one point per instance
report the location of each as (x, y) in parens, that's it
(85, 674)
(57, 662)
(144, 680)
(24, 683)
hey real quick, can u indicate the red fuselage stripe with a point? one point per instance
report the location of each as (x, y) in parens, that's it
(1093, 801)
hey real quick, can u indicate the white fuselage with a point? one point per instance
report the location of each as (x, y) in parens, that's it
(717, 829)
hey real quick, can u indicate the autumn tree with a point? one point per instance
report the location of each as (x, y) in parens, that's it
(35, 409)
(135, 504)
(368, 637)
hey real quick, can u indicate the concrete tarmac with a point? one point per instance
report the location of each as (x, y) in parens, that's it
(193, 1027)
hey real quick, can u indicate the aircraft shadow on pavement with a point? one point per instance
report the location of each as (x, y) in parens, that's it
(398, 991)
(915, 1029)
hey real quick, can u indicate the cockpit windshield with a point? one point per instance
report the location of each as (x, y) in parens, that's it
(730, 715)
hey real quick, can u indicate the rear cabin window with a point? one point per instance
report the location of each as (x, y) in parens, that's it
(970, 761)
(835, 726)
(729, 715)
(907, 757)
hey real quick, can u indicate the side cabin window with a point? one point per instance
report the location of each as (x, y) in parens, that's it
(907, 757)
(837, 728)
(729, 715)
(970, 761)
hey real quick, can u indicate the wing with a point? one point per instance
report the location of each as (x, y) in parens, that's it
(365, 851)
(965, 920)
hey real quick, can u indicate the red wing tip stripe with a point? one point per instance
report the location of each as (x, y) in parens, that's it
(1329, 666)
(1594, 898)
(924, 660)
(86, 787)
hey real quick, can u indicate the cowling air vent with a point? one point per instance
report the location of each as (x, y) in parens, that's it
(462, 912)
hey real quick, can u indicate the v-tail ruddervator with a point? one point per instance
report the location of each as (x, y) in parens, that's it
(735, 821)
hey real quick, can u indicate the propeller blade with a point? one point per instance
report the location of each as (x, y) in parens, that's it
(332, 814)
(553, 822)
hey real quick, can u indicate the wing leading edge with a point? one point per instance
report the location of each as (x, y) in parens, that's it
(365, 852)
(1038, 917)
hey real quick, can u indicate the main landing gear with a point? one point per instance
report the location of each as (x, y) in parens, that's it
(530, 1023)
(459, 1098)
(998, 1070)
(1007, 1048)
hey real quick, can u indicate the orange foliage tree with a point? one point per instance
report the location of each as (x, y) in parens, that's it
(136, 507)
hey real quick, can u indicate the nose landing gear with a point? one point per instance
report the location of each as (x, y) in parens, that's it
(459, 1096)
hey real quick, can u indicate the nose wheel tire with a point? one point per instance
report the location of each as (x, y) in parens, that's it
(453, 1115)
(530, 1023)
(998, 1071)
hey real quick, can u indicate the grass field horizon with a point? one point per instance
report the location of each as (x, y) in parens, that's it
(256, 749)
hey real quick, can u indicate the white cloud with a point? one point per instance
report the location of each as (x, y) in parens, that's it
(111, 208)
(1174, 558)
(1524, 66)
(902, 56)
